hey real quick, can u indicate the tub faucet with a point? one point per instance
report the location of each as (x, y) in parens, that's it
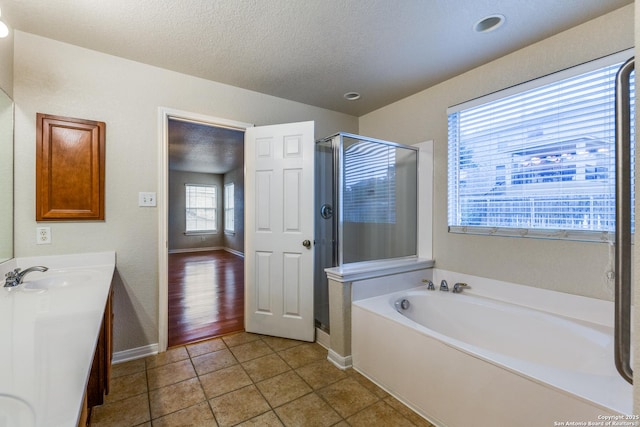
(444, 286)
(429, 283)
(458, 287)
(15, 277)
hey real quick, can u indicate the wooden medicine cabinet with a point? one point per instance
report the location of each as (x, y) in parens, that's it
(70, 163)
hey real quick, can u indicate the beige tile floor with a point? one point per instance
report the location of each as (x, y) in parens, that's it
(246, 380)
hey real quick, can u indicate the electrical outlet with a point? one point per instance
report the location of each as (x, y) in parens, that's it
(146, 198)
(43, 235)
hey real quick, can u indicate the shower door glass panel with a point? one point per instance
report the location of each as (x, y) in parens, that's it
(325, 248)
(378, 212)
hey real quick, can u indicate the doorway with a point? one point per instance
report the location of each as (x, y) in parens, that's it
(206, 295)
(201, 265)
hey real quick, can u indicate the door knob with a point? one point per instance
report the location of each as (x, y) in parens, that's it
(306, 244)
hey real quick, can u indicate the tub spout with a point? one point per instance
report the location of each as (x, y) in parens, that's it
(458, 287)
(429, 283)
(444, 286)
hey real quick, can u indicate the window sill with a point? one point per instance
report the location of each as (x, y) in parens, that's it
(199, 233)
(229, 233)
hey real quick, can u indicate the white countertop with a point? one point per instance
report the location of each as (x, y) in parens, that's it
(49, 327)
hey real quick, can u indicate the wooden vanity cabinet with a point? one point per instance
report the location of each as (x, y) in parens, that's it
(100, 375)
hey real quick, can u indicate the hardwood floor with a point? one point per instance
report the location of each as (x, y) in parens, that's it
(206, 295)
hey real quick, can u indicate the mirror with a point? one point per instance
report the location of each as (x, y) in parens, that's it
(6, 177)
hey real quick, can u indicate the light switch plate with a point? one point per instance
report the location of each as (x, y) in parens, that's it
(146, 198)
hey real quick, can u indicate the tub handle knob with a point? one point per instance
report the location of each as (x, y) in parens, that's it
(458, 287)
(429, 283)
(402, 304)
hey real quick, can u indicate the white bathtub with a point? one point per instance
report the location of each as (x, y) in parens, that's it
(466, 359)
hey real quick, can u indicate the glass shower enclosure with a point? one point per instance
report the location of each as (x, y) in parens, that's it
(366, 196)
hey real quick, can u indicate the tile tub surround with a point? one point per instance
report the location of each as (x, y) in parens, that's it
(48, 327)
(248, 380)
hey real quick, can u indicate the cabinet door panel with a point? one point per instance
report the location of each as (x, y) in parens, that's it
(70, 168)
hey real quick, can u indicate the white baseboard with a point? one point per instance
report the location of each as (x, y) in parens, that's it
(233, 251)
(211, 248)
(323, 338)
(341, 362)
(135, 353)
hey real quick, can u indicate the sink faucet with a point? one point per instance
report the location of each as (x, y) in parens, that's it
(15, 277)
(444, 286)
(458, 287)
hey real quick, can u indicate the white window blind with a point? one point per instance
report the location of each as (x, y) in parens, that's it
(369, 183)
(201, 205)
(229, 220)
(538, 159)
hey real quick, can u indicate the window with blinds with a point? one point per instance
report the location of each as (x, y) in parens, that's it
(200, 209)
(369, 183)
(538, 159)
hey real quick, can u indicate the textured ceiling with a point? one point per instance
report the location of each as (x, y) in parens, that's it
(311, 51)
(195, 147)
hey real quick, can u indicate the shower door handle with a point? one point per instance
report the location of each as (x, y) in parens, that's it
(622, 332)
(326, 211)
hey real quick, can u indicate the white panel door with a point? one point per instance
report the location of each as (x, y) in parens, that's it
(279, 230)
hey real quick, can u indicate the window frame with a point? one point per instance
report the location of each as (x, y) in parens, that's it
(568, 234)
(229, 211)
(200, 231)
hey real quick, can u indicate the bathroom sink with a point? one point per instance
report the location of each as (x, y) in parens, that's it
(15, 412)
(57, 280)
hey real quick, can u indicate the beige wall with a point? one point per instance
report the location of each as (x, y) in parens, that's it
(57, 78)
(235, 241)
(6, 148)
(6, 64)
(577, 268)
(6, 177)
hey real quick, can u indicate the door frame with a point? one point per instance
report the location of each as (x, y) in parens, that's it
(164, 114)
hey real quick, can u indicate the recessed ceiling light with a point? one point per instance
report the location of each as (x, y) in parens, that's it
(489, 23)
(351, 96)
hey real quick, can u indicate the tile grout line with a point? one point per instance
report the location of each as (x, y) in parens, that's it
(256, 386)
(254, 383)
(197, 375)
(291, 368)
(264, 379)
